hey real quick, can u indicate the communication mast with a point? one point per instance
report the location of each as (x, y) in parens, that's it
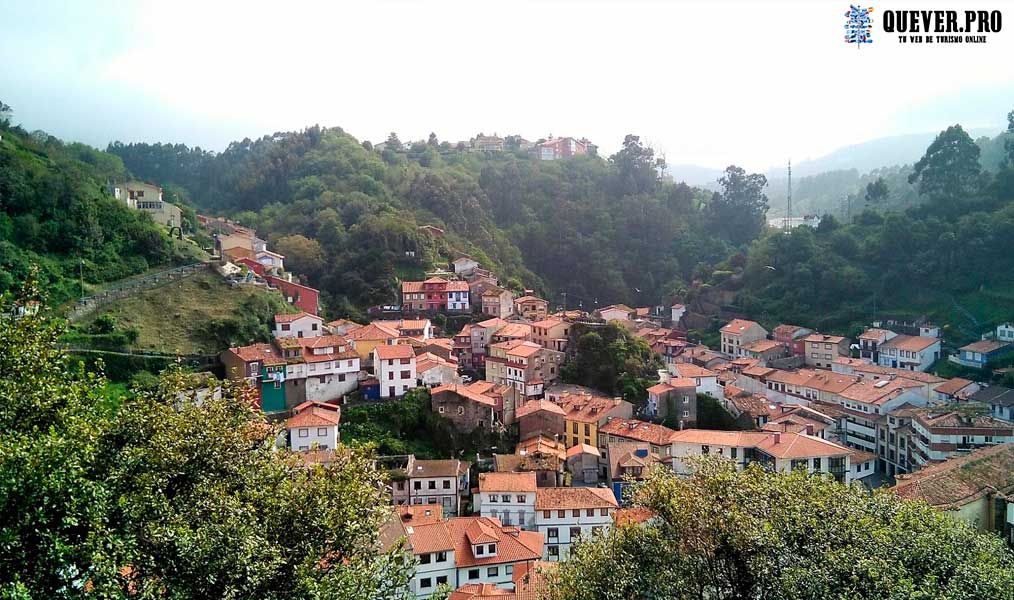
(788, 208)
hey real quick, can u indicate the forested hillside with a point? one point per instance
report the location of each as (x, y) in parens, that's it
(56, 212)
(949, 256)
(602, 230)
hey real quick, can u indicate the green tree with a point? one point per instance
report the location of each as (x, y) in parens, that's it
(876, 191)
(737, 213)
(637, 169)
(757, 534)
(303, 255)
(950, 169)
(169, 496)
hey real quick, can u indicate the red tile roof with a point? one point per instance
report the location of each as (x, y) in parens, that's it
(641, 431)
(533, 406)
(953, 386)
(738, 326)
(512, 544)
(507, 482)
(582, 449)
(397, 351)
(420, 514)
(317, 415)
(288, 318)
(911, 343)
(427, 538)
(568, 498)
(465, 392)
(959, 481)
(373, 332)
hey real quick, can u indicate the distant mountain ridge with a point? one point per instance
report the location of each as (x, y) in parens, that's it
(863, 157)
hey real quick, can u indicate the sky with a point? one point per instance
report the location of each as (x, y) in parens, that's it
(706, 83)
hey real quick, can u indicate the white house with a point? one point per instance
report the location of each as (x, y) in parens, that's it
(486, 551)
(329, 366)
(271, 260)
(616, 312)
(677, 310)
(394, 367)
(299, 325)
(509, 497)
(911, 352)
(314, 425)
(457, 296)
(705, 379)
(565, 514)
(1005, 332)
(433, 550)
(435, 371)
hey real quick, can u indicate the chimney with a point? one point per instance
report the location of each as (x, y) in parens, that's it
(778, 438)
(809, 429)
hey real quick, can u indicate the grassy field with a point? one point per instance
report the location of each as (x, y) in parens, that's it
(171, 318)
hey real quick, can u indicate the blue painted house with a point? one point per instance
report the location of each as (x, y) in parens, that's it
(981, 353)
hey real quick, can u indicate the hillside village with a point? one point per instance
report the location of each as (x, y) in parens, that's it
(864, 410)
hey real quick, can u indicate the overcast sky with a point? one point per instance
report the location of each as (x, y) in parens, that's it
(709, 83)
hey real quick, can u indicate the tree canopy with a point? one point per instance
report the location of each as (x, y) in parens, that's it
(722, 534)
(167, 495)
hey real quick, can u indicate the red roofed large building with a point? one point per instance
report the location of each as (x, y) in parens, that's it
(540, 417)
(523, 365)
(739, 332)
(778, 451)
(821, 350)
(478, 552)
(658, 437)
(564, 515)
(290, 371)
(435, 294)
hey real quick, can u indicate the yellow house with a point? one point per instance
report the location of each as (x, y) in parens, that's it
(368, 337)
(584, 414)
(551, 333)
(146, 197)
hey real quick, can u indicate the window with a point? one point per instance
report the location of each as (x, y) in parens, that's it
(417, 485)
(405, 374)
(521, 498)
(589, 512)
(686, 413)
(424, 559)
(425, 582)
(492, 571)
(508, 570)
(587, 430)
(304, 433)
(546, 514)
(575, 532)
(442, 580)
(461, 410)
(604, 512)
(561, 514)
(505, 498)
(286, 327)
(491, 549)
(473, 573)
(447, 484)
(554, 551)
(552, 533)
(480, 550)
(492, 498)
(575, 513)
(441, 410)
(390, 375)
(432, 485)
(441, 557)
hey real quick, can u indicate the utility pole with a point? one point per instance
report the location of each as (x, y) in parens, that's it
(788, 207)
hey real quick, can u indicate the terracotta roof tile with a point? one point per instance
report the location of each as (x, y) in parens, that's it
(507, 482)
(397, 351)
(959, 481)
(641, 431)
(568, 498)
